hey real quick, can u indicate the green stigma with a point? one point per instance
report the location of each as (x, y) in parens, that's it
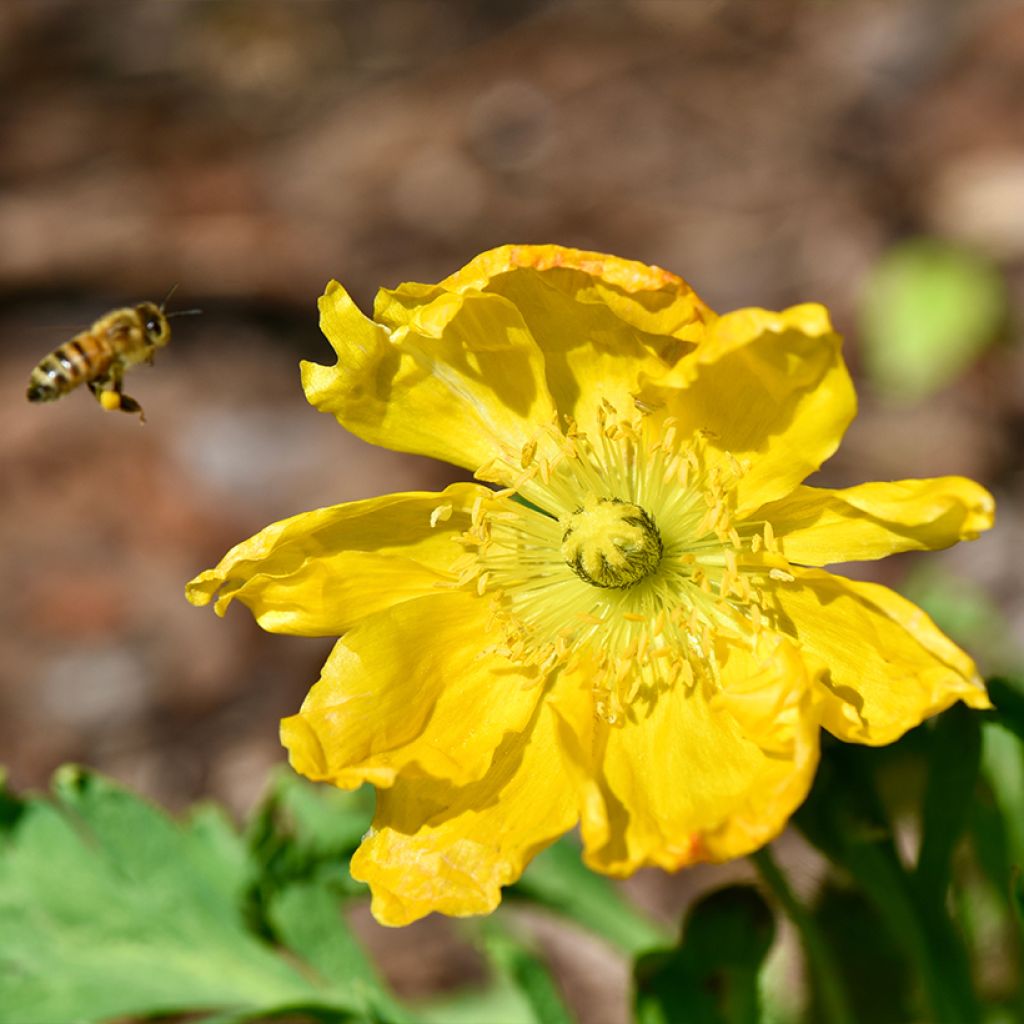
(611, 543)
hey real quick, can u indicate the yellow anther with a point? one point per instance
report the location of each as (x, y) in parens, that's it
(642, 644)
(441, 514)
(527, 454)
(659, 624)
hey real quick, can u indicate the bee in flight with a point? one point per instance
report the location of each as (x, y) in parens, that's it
(99, 356)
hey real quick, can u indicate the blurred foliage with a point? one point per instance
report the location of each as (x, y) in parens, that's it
(928, 309)
(711, 976)
(558, 879)
(112, 909)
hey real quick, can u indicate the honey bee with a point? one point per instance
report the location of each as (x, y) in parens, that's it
(99, 356)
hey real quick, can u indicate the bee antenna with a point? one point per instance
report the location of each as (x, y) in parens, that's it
(167, 297)
(183, 312)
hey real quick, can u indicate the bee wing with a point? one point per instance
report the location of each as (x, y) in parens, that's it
(119, 327)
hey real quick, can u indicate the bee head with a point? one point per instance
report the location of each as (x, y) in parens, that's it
(154, 320)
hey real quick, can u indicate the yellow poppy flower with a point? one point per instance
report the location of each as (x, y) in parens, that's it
(629, 629)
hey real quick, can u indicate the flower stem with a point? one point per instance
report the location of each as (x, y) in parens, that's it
(820, 960)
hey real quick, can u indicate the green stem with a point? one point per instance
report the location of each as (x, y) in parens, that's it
(816, 948)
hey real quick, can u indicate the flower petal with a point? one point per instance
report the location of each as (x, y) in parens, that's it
(318, 573)
(461, 381)
(466, 370)
(769, 389)
(815, 526)
(703, 774)
(414, 690)
(889, 665)
(601, 322)
(450, 849)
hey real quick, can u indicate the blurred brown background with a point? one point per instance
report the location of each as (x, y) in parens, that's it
(770, 151)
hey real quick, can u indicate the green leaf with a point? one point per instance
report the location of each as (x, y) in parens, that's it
(303, 830)
(1002, 759)
(558, 879)
(929, 309)
(712, 976)
(500, 1003)
(307, 919)
(1008, 697)
(953, 765)
(111, 909)
(876, 974)
(527, 973)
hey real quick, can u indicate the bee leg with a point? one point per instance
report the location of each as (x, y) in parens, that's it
(130, 405)
(107, 390)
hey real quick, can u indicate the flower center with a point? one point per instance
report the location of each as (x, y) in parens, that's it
(611, 543)
(582, 580)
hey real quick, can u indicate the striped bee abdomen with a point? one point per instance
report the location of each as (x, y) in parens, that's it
(82, 359)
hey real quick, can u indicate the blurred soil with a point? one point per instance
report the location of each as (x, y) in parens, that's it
(249, 151)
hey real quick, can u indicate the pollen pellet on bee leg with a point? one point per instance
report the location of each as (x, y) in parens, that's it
(110, 400)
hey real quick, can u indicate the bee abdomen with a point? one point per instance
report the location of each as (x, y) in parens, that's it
(74, 363)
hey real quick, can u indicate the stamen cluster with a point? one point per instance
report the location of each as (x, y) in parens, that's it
(621, 553)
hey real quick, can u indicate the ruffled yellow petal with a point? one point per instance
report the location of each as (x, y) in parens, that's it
(450, 849)
(602, 322)
(889, 665)
(700, 774)
(769, 391)
(629, 276)
(415, 690)
(815, 526)
(461, 381)
(473, 369)
(318, 573)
